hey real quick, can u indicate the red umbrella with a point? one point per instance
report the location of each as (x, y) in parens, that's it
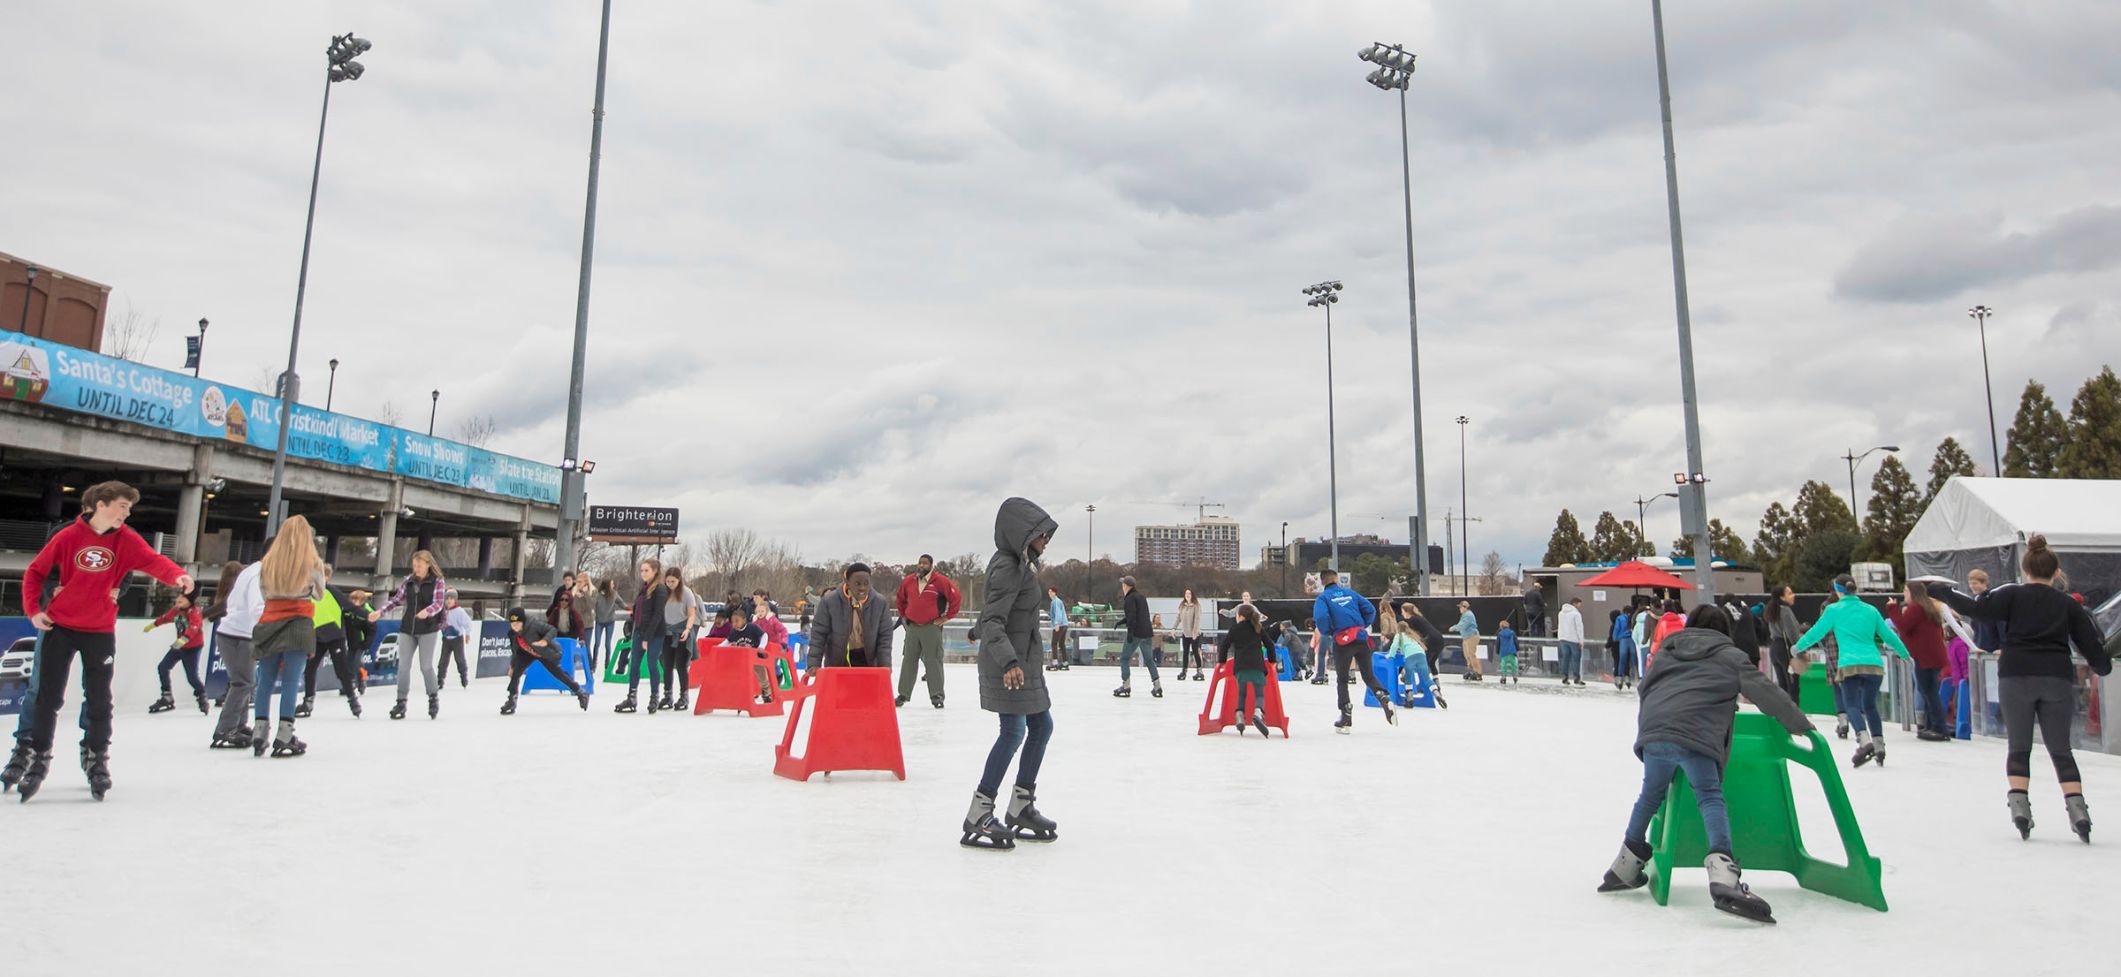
(1635, 574)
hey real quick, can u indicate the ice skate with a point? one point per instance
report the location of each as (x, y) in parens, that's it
(982, 830)
(306, 707)
(258, 741)
(1024, 819)
(353, 705)
(1156, 688)
(654, 704)
(680, 705)
(434, 704)
(1626, 871)
(1259, 721)
(398, 711)
(1391, 716)
(900, 702)
(200, 698)
(232, 741)
(285, 744)
(1864, 752)
(1197, 677)
(629, 705)
(582, 699)
(509, 708)
(163, 704)
(936, 701)
(2021, 807)
(97, 766)
(17, 762)
(1344, 725)
(1730, 894)
(1878, 751)
(2080, 816)
(33, 777)
(1841, 728)
(662, 704)
(1122, 692)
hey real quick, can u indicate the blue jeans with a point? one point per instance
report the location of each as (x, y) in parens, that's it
(1932, 700)
(1126, 660)
(1416, 669)
(1859, 698)
(1659, 762)
(1040, 726)
(647, 655)
(284, 667)
(600, 642)
(1572, 660)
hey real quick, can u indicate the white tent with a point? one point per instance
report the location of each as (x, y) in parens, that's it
(1984, 522)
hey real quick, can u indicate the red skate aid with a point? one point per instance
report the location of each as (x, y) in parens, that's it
(853, 725)
(1216, 718)
(697, 673)
(727, 678)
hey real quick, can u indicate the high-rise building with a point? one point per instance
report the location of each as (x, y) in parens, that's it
(1211, 542)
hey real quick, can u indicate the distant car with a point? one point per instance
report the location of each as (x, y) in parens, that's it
(15, 661)
(387, 652)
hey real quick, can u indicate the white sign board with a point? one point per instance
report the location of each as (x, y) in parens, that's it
(1550, 653)
(1598, 595)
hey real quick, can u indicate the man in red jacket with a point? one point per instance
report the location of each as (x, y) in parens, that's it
(925, 600)
(91, 558)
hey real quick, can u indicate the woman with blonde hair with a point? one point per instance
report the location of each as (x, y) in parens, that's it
(291, 579)
(424, 595)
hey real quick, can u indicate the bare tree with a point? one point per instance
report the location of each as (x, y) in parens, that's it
(130, 335)
(731, 551)
(1494, 576)
(477, 430)
(389, 414)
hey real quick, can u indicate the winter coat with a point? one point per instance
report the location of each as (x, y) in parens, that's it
(1571, 628)
(647, 621)
(1506, 643)
(1136, 614)
(330, 618)
(417, 594)
(1468, 626)
(1189, 620)
(1007, 631)
(360, 633)
(940, 602)
(1857, 628)
(1242, 643)
(1667, 626)
(526, 640)
(1923, 635)
(1744, 632)
(1691, 694)
(833, 628)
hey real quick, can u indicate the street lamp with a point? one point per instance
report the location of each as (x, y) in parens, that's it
(29, 285)
(332, 384)
(1395, 66)
(1980, 314)
(1642, 506)
(1694, 517)
(198, 358)
(1465, 538)
(1323, 295)
(1285, 559)
(435, 404)
(1854, 459)
(339, 65)
(571, 487)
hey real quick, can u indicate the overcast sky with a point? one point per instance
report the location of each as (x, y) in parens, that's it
(863, 270)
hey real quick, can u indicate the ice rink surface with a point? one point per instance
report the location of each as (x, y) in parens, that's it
(558, 842)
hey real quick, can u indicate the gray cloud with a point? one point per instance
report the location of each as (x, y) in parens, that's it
(1924, 259)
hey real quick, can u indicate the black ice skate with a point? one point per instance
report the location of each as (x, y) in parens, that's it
(1156, 688)
(353, 705)
(581, 699)
(1626, 871)
(655, 704)
(398, 711)
(434, 704)
(1841, 728)
(285, 744)
(1344, 725)
(631, 704)
(936, 701)
(900, 701)
(2080, 816)
(982, 830)
(231, 741)
(1024, 819)
(97, 767)
(1730, 894)
(1390, 716)
(680, 704)
(258, 741)
(163, 704)
(33, 777)
(1122, 692)
(200, 697)
(17, 762)
(306, 707)
(2021, 813)
(509, 708)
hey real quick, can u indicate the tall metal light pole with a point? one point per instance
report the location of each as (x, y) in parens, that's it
(339, 65)
(571, 476)
(29, 286)
(1395, 67)
(1090, 555)
(1285, 559)
(200, 359)
(331, 385)
(1694, 499)
(1980, 314)
(1642, 507)
(435, 405)
(1323, 295)
(1855, 459)
(1465, 537)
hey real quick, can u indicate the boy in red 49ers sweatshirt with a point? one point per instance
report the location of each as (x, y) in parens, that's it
(91, 558)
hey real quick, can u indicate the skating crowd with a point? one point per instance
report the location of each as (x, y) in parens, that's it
(277, 619)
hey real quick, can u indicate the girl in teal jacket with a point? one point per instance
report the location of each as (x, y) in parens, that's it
(1858, 631)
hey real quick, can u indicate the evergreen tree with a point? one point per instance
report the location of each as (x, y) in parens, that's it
(1776, 543)
(1894, 506)
(1822, 556)
(1724, 544)
(1950, 459)
(2093, 447)
(2033, 448)
(1567, 544)
(1819, 510)
(1613, 540)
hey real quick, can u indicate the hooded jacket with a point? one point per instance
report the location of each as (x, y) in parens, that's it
(1857, 628)
(1007, 631)
(1691, 694)
(834, 625)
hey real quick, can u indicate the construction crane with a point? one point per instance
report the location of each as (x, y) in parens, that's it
(1202, 505)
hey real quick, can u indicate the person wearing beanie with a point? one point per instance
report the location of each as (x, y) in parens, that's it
(532, 641)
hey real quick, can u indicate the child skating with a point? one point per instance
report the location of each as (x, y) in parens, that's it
(183, 650)
(1506, 654)
(1245, 645)
(1683, 724)
(532, 641)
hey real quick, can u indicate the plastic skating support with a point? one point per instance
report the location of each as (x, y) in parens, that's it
(727, 678)
(1815, 695)
(697, 670)
(1764, 829)
(574, 660)
(853, 725)
(624, 649)
(1287, 671)
(1387, 669)
(1214, 717)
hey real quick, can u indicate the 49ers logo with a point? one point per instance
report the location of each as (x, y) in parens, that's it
(94, 559)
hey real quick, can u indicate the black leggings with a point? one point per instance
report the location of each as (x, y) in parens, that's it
(342, 665)
(2050, 701)
(452, 647)
(519, 661)
(677, 665)
(1189, 653)
(1346, 655)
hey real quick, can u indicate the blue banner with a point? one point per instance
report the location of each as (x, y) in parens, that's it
(36, 371)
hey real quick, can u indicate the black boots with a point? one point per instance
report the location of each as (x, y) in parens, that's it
(509, 708)
(40, 764)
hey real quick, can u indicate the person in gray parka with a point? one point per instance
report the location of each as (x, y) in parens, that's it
(1689, 699)
(853, 625)
(1007, 637)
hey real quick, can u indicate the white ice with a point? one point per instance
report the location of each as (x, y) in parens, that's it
(558, 842)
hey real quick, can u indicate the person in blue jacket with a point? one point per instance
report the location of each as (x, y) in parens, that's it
(1622, 641)
(1344, 618)
(1505, 653)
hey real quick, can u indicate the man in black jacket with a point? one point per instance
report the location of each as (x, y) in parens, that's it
(531, 641)
(1135, 616)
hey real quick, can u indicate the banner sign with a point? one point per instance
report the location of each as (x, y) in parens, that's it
(633, 524)
(35, 371)
(191, 352)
